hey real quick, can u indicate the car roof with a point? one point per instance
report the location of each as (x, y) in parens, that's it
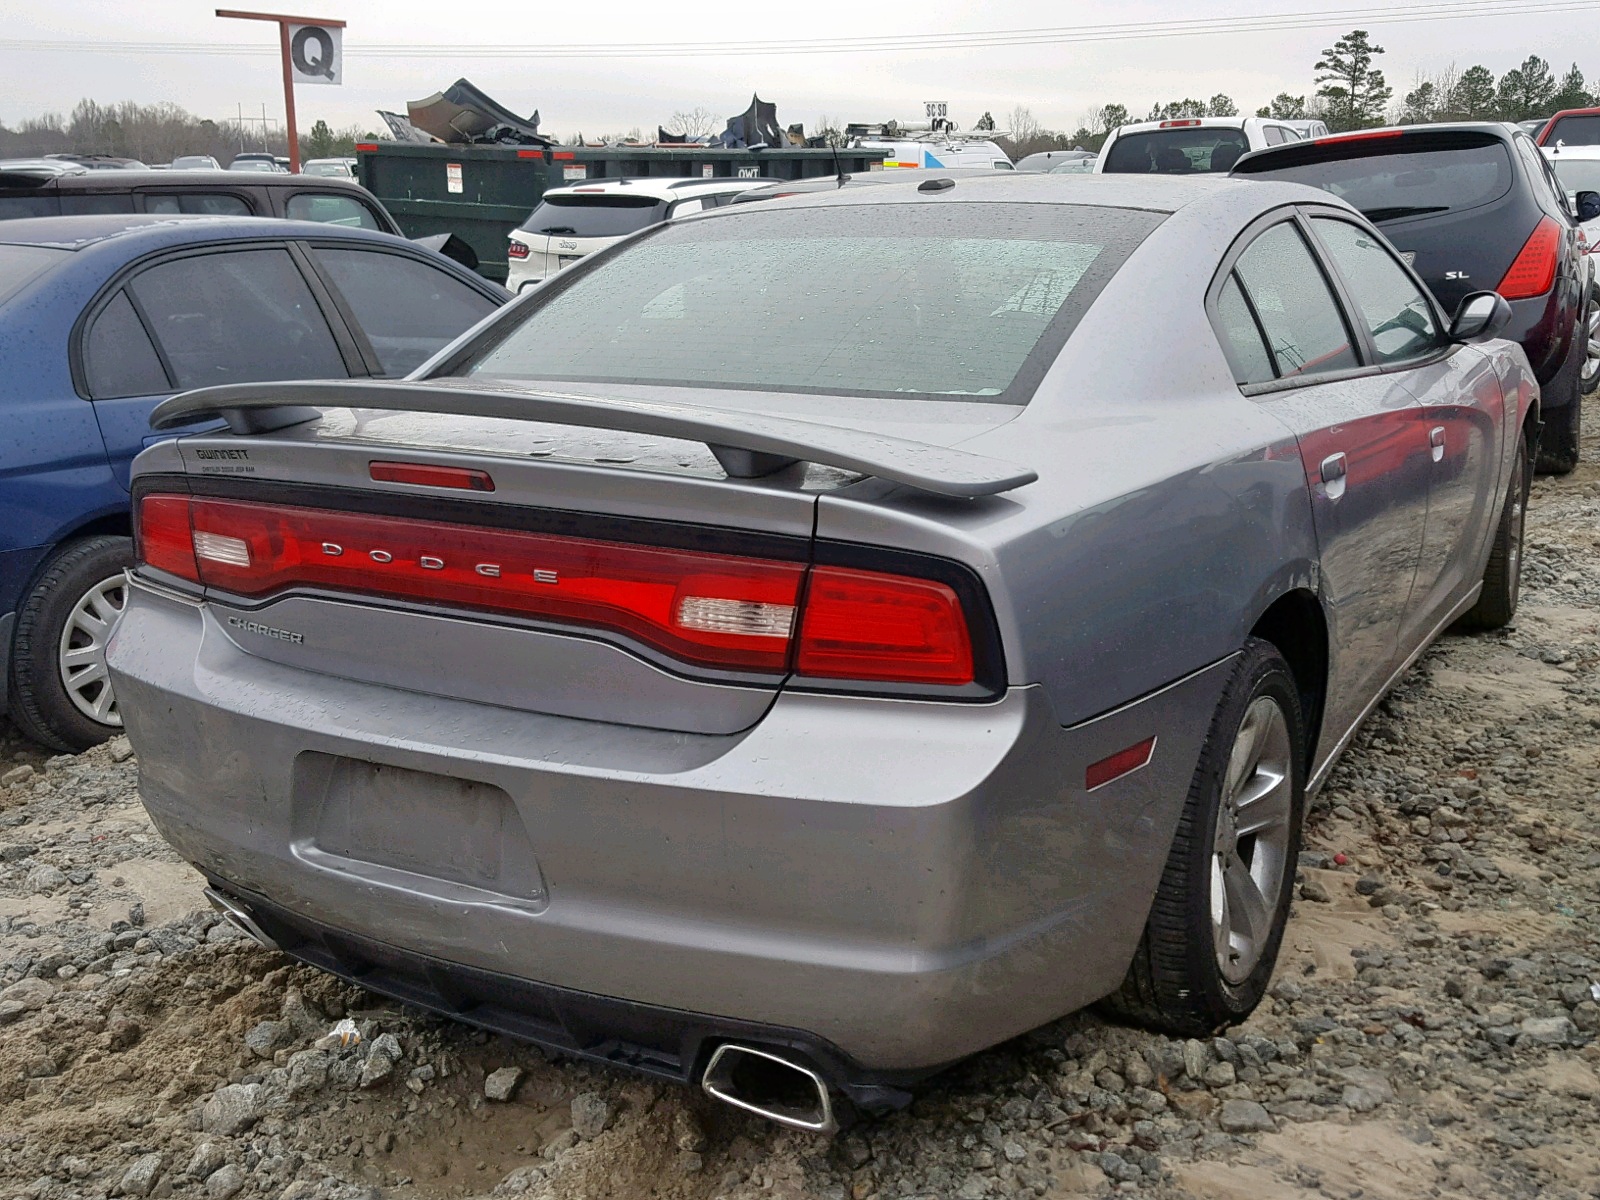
(152, 231)
(659, 188)
(79, 178)
(1152, 193)
(1189, 123)
(1376, 141)
(1556, 153)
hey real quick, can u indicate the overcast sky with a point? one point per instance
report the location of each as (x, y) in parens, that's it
(1059, 83)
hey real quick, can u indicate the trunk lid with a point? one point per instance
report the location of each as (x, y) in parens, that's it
(560, 488)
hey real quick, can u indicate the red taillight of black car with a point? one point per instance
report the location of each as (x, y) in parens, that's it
(723, 611)
(1534, 269)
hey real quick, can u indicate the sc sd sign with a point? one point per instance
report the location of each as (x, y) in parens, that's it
(316, 54)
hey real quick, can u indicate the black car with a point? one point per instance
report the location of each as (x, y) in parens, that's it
(1473, 207)
(32, 189)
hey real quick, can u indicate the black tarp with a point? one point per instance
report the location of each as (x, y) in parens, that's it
(755, 126)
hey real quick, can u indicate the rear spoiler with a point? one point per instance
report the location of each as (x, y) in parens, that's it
(746, 444)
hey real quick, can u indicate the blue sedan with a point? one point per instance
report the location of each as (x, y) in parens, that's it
(103, 317)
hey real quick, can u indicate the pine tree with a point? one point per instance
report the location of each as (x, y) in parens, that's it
(1354, 89)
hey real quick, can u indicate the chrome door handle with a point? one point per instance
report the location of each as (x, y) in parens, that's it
(1333, 475)
(1436, 441)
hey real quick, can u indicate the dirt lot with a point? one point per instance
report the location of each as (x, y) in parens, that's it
(1430, 1033)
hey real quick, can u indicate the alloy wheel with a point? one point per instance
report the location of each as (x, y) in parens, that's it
(82, 657)
(1249, 866)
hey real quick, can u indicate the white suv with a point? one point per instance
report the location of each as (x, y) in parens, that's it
(571, 222)
(1189, 145)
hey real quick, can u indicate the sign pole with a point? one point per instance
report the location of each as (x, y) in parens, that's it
(288, 98)
(287, 49)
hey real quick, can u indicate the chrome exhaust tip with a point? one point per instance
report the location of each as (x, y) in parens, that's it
(238, 917)
(771, 1086)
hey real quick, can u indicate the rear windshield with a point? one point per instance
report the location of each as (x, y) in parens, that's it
(959, 300)
(1197, 150)
(600, 215)
(1575, 131)
(1393, 186)
(1578, 175)
(18, 264)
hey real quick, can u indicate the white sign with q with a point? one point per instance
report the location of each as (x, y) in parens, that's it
(316, 54)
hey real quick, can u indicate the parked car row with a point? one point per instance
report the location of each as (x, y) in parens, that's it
(539, 664)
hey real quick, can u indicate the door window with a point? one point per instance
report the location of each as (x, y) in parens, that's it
(1273, 134)
(1241, 336)
(201, 204)
(1305, 330)
(408, 309)
(118, 357)
(331, 210)
(1395, 310)
(237, 317)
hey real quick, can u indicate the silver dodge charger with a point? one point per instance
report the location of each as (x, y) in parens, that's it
(812, 642)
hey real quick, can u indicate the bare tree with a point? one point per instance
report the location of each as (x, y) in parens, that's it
(1024, 127)
(697, 122)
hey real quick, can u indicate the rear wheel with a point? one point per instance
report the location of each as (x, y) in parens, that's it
(1502, 578)
(60, 692)
(1217, 921)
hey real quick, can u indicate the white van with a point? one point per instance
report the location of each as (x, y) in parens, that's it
(1189, 145)
(936, 148)
(571, 222)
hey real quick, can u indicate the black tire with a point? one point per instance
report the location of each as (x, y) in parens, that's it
(1563, 413)
(1176, 983)
(42, 705)
(1502, 578)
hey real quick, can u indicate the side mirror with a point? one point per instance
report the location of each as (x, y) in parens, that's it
(1588, 205)
(1482, 315)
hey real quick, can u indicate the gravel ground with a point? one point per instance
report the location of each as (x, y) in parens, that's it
(1431, 1031)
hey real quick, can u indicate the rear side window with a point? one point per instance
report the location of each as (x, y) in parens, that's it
(202, 204)
(118, 357)
(592, 216)
(96, 203)
(29, 206)
(1581, 130)
(1393, 186)
(331, 210)
(407, 308)
(237, 317)
(1305, 331)
(1396, 312)
(1241, 336)
(1192, 151)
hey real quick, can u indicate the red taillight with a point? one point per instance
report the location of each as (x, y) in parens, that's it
(707, 609)
(164, 539)
(1535, 267)
(1178, 124)
(428, 475)
(516, 249)
(867, 625)
(366, 147)
(1337, 138)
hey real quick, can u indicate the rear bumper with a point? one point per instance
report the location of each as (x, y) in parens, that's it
(894, 884)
